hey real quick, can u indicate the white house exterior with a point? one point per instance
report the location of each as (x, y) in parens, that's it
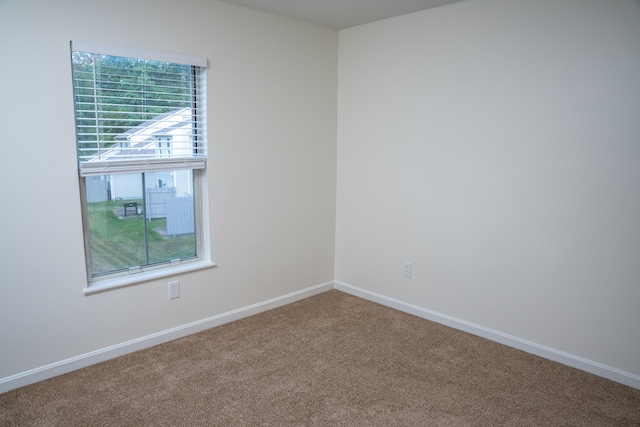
(166, 135)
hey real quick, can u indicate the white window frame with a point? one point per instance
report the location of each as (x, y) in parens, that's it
(202, 260)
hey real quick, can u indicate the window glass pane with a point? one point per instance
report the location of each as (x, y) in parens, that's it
(129, 227)
(121, 103)
(116, 228)
(169, 210)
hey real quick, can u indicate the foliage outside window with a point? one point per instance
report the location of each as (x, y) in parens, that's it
(140, 133)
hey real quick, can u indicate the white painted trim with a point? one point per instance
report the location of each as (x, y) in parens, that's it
(568, 359)
(87, 359)
(84, 360)
(132, 52)
(165, 270)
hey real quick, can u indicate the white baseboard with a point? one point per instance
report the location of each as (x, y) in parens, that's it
(577, 362)
(83, 360)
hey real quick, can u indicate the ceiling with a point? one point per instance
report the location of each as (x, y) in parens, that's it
(340, 14)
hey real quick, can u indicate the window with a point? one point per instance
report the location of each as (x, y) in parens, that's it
(141, 147)
(163, 146)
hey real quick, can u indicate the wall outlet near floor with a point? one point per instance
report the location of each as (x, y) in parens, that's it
(174, 290)
(406, 269)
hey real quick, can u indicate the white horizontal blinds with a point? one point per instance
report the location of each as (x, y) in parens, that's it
(135, 114)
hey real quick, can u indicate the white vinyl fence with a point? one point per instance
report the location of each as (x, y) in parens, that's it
(97, 189)
(180, 215)
(156, 201)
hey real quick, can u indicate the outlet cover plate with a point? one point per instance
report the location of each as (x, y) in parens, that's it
(174, 290)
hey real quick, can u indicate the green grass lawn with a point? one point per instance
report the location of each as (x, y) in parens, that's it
(119, 243)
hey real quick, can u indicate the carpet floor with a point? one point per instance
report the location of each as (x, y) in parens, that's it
(332, 359)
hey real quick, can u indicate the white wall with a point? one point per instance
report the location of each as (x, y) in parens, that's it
(271, 181)
(495, 144)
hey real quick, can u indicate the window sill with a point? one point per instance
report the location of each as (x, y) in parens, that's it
(132, 279)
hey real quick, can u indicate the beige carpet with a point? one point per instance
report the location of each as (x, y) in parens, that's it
(332, 359)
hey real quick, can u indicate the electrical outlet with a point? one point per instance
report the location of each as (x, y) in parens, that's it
(406, 269)
(174, 290)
